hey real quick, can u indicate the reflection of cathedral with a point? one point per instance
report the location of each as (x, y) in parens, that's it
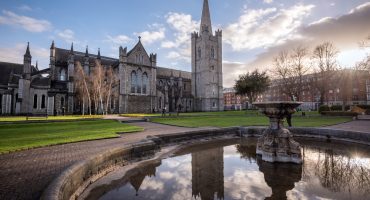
(148, 170)
(208, 174)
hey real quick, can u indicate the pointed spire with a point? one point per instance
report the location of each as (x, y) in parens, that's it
(28, 50)
(206, 24)
(99, 54)
(139, 38)
(87, 51)
(52, 45)
(37, 65)
(71, 49)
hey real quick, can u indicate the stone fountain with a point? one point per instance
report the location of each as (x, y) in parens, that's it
(277, 143)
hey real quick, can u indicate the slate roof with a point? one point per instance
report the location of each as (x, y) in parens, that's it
(6, 69)
(40, 81)
(61, 56)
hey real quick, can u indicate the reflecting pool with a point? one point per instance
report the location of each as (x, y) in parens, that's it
(231, 169)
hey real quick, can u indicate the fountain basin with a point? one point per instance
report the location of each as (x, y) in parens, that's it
(277, 143)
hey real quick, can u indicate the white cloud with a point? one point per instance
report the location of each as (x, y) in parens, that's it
(149, 37)
(118, 39)
(265, 27)
(67, 35)
(182, 26)
(15, 54)
(25, 7)
(268, 1)
(27, 23)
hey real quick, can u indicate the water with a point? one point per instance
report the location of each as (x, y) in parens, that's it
(231, 170)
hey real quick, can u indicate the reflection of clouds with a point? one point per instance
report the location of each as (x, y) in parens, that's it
(245, 184)
(151, 184)
(166, 175)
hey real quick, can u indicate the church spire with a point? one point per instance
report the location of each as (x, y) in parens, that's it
(28, 54)
(206, 24)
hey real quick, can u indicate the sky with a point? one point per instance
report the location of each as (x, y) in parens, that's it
(254, 31)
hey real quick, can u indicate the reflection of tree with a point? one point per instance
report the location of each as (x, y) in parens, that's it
(208, 173)
(341, 173)
(247, 151)
(280, 176)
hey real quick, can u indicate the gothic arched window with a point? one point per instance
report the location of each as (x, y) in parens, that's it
(145, 83)
(212, 52)
(133, 81)
(139, 81)
(43, 99)
(62, 103)
(62, 74)
(199, 52)
(35, 101)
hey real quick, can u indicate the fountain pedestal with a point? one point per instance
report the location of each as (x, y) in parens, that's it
(277, 143)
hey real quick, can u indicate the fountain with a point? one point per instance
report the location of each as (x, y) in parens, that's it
(277, 143)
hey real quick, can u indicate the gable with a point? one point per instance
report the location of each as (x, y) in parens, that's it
(138, 55)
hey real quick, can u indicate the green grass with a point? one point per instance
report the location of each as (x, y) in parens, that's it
(50, 118)
(27, 135)
(227, 121)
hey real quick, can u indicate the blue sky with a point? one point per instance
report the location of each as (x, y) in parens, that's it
(253, 30)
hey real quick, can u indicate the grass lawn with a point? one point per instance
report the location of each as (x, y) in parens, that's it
(50, 118)
(227, 121)
(27, 135)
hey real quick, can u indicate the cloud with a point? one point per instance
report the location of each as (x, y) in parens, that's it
(25, 7)
(263, 28)
(118, 39)
(345, 32)
(149, 37)
(67, 35)
(15, 54)
(268, 1)
(27, 23)
(182, 26)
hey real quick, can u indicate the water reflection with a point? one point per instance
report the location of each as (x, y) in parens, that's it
(224, 171)
(208, 174)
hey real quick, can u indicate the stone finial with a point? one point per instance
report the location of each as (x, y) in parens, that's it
(52, 45)
(87, 51)
(99, 57)
(71, 51)
(28, 54)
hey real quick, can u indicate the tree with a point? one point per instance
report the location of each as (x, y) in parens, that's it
(252, 85)
(324, 58)
(290, 68)
(82, 85)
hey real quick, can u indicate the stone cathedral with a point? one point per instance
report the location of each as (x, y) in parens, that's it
(143, 87)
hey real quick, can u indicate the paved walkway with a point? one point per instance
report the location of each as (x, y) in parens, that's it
(25, 174)
(357, 125)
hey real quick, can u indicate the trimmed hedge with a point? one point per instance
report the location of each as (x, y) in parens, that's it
(339, 113)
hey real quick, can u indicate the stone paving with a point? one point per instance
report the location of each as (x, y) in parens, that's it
(25, 174)
(357, 125)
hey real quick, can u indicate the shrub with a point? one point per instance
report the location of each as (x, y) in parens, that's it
(338, 113)
(323, 108)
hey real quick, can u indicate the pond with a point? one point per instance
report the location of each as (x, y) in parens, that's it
(230, 169)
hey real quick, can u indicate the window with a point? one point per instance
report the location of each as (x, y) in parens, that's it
(63, 75)
(139, 81)
(43, 101)
(212, 52)
(184, 86)
(112, 103)
(145, 83)
(133, 81)
(35, 101)
(160, 103)
(214, 104)
(199, 53)
(212, 67)
(62, 103)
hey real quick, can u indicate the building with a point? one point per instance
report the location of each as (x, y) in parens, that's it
(233, 101)
(206, 65)
(142, 86)
(348, 87)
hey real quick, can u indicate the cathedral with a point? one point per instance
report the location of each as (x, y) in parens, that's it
(142, 86)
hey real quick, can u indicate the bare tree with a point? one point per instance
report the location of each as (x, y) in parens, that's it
(82, 86)
(324, 56)
(110, 82)
(290, 68)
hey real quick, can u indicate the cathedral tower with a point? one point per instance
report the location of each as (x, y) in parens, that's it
(206, 55)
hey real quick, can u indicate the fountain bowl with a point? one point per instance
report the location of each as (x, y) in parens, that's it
(277, 143)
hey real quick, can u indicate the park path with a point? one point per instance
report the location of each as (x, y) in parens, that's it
(25, 174)
(356, 125)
